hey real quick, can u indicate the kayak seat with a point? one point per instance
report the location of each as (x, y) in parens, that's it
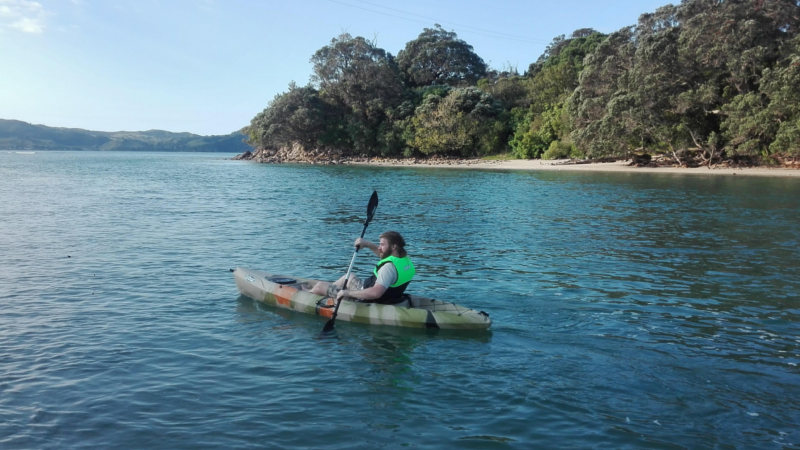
(282, 280)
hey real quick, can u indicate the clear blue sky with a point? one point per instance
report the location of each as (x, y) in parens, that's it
(209, 66)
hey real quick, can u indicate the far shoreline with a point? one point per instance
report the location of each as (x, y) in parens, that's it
(300, 156)
(566, 165)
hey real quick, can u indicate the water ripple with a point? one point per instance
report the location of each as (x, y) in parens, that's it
(629, 310)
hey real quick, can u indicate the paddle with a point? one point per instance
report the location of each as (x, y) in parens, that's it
(371, 206)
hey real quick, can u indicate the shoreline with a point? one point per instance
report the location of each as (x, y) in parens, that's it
(570, 165)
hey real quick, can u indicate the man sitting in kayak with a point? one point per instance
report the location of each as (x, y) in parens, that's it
(389, 279)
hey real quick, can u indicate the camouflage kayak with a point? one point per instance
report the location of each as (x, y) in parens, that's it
(292, 293)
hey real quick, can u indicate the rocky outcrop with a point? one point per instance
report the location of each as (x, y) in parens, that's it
(293, 154)
(298, 155)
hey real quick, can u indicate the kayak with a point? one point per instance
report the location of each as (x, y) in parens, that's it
(420, 312)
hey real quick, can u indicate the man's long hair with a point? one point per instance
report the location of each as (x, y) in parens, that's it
(395, 238)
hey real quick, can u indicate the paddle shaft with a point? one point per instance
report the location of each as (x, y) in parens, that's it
(350, 267)
(329, 324)
(373, 204)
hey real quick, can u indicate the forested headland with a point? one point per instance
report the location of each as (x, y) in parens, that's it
(702, 82)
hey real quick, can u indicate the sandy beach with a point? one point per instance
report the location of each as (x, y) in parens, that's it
(568, 165)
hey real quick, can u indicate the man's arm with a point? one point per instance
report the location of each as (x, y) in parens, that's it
(387, 275)
(361, 242)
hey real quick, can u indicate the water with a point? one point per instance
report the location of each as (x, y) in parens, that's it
(630, 310)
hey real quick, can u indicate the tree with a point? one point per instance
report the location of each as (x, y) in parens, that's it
(572, 50)
(723, 47)
(551, 80)
(297, 116)
(439, 57)
(510, 89)
(597, 108)
(536, 133)
(363, 82)
(665, 83)
(767, 122)
(463, 122)
(656, 81)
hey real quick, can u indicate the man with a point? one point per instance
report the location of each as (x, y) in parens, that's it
(389, 279)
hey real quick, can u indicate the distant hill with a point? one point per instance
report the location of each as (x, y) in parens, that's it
(18, 135)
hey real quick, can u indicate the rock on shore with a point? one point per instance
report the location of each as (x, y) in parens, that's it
(299, 155)
(294, 154)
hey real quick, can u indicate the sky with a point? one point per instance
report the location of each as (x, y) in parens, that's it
(209, 66)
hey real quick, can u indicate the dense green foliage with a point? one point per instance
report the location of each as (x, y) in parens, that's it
(17, 135)
(700, 81)
(439, 57)
(457, 122)
(692, 81)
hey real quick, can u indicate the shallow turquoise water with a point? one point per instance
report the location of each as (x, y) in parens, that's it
(630, 310)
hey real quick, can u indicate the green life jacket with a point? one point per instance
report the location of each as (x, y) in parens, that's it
(405, 271)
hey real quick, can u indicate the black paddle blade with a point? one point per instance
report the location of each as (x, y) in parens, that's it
(371, 207)
(328, 326)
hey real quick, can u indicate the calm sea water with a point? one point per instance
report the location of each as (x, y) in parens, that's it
(630, 310)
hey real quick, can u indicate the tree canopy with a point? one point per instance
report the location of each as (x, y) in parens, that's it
(437, 56)
(459, 122)
(361, 82)
(696, 82)
(665, 85)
